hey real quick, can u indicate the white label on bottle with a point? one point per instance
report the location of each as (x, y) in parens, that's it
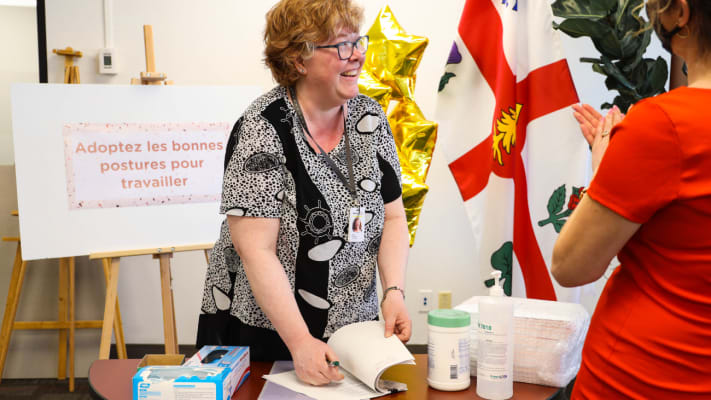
(464, 358)
(493, 354)
(448, 357)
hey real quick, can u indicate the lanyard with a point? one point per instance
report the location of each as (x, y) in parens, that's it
(350, 182)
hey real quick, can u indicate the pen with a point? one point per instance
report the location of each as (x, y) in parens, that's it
(333, 363)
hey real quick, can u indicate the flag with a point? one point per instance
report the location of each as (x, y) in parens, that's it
(513, 147)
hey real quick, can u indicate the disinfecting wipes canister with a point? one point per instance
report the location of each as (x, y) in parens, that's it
(448, 349)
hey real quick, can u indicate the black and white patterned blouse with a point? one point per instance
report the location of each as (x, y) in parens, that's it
(271, 172)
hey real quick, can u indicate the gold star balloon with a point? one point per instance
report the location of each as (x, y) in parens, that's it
(389, 74)
(394, 55)
(370, 86)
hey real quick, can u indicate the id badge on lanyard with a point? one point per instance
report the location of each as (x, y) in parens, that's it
(356, 214)
(356, 224)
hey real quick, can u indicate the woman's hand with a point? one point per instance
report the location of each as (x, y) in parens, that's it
(588, 118)
(601, 136)
(397, 320)
(311, 358)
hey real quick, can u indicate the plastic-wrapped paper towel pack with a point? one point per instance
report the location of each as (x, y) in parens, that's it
(548, 339)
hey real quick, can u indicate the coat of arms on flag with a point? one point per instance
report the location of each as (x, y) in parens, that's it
(510, 139)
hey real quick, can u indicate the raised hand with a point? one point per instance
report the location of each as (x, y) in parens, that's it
(588, 118)
(601, 135)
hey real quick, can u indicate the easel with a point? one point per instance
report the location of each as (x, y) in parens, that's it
(112, 259)
(71, 71)
(150, 77)
(65, 323)
(163, 254)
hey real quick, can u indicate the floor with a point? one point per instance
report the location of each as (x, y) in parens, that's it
(44, 389)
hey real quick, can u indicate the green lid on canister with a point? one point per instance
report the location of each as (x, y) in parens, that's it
(448, 318)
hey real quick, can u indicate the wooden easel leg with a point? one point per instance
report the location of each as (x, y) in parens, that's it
(109, 309)
(67, 74)
(72, 318)
(62, 317)
(118, 325)
(118, 333)
(169, 328)
(13, 297)
(207, 256)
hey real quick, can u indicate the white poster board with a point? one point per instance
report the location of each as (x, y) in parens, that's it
(44, 116)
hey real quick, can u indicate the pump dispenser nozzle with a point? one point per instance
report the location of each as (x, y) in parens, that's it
(497, 289)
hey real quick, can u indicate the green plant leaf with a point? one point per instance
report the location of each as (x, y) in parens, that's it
(657, 76)
(629, 45)
(589, 9)
(557, 200)
(621, 35)
(597, 68)
(636, 58)
(640, 75)
(577, 27)
(612, 70)
(623, 103)
(620, 12)
(608, 44)
(626, 12)
(613, 83)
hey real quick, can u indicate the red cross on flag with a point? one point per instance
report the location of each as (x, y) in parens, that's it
(512, 144)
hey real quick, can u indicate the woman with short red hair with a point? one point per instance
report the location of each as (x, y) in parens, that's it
(302, 162)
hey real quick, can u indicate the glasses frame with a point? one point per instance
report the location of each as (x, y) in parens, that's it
(352, 43)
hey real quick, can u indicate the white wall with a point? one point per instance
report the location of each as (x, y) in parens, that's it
(18, 41)
(220, 42)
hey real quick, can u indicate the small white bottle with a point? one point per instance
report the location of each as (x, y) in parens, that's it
(494, 374)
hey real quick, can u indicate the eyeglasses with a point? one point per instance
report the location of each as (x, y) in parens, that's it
(345, 49)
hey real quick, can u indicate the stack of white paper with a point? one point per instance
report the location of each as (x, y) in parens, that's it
(548, 339)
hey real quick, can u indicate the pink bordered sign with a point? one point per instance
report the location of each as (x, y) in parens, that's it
(143, 164)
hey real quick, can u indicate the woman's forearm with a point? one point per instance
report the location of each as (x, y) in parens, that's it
(591, 237)
(255, 242)
(394, 246)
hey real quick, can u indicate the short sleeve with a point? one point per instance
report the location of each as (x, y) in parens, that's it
(388, 161)
(641, 170)
(253, 181)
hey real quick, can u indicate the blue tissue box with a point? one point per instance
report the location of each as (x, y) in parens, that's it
(236, 359)
(217, 380)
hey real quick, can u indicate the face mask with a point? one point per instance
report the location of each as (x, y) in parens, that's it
(664, 35)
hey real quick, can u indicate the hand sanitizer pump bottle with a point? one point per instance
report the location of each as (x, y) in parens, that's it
(494, 375)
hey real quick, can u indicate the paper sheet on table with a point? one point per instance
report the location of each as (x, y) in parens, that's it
(272, 391)
(349, 388)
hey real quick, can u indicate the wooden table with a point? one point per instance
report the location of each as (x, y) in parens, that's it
(111, 379)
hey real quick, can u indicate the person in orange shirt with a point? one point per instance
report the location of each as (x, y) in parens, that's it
(649, 203)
